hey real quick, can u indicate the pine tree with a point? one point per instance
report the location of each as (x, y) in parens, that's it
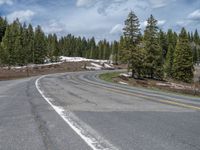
(170, 53)
(163, 43)
(169, 61)
(6, 46)
(183, 63)
(196, 47)
(153, 58)
(196, 37)
(11, 44)
(1, 56)
(171, 38)
(56, 51)
(101, 51)
(131, 52)
(3, 25)
(115, 52)
(195, 54)
(52, 48)
(92, 45)
(30, 44)
(39, 46)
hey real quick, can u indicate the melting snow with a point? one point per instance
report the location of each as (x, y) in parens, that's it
(123, 83)
(127, 75)
(79, 59)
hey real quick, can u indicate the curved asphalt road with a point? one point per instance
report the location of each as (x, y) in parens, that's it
(78, 111)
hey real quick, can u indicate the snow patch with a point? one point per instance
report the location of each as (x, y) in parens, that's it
(127, 75)
(92, 68)
(174, 85)
(106, 66)
(33, 65)
(124, 83)
(79, 59)
(96, 65)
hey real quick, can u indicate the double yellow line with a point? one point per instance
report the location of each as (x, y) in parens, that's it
(146, 97)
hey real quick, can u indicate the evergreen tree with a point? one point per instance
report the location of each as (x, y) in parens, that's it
(163, 43)
(153, 58)
(7, 46)
(52, 48)
(195, 54)
(183, 63)
(115, 52)
(30, 45)
(92, 48)
(169, 61)
(39, 46)
(131, 52)
(101, 49)
(3, 25)
(11, 44)
(196, 37)
(1, 56)
(171, 38)
(170, 54)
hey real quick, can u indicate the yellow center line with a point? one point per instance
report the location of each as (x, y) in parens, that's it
(169, 102)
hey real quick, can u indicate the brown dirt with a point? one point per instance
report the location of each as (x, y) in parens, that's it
(7, 74)
(183, 88)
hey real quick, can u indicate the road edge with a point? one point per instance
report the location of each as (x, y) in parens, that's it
(91, 140)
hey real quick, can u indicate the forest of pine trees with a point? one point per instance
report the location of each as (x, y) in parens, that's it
(21, 45)
(157, 54)
(152, 54)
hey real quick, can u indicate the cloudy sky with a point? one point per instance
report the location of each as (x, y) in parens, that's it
(100, 18)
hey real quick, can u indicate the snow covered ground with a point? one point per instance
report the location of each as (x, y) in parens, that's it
(94, 65)
(33, 65)
(175, 85)
(79, 59)
(126, 75)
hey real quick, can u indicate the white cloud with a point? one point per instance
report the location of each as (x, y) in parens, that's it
(9, 2)
(116, 29)
(22, 15)
(85, 3)
(160, 23)
(54, 26)
(143, 24)
(182, 23)
(195, 15)
(102, 6)
(158, 3)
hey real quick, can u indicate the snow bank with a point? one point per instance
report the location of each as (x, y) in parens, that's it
(127, 75)
(63, 59)
(124, 83)
(79, 59)
(106, 66)
(174, 85)
(92, 68)
(33, 65)
(96, 65)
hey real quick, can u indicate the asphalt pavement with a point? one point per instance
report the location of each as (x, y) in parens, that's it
(78, 111)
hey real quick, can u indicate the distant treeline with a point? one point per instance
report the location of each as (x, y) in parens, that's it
(154, 54)
(21, 45)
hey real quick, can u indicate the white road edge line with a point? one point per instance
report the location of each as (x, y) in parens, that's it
(91, 141)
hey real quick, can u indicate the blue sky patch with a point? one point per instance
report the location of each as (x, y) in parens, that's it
(101, 18)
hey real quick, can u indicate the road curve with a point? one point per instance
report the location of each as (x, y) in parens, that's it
(78, 111)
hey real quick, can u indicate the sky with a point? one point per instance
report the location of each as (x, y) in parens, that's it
(101, 18)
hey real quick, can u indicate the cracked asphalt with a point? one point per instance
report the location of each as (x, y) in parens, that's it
(129, 118)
